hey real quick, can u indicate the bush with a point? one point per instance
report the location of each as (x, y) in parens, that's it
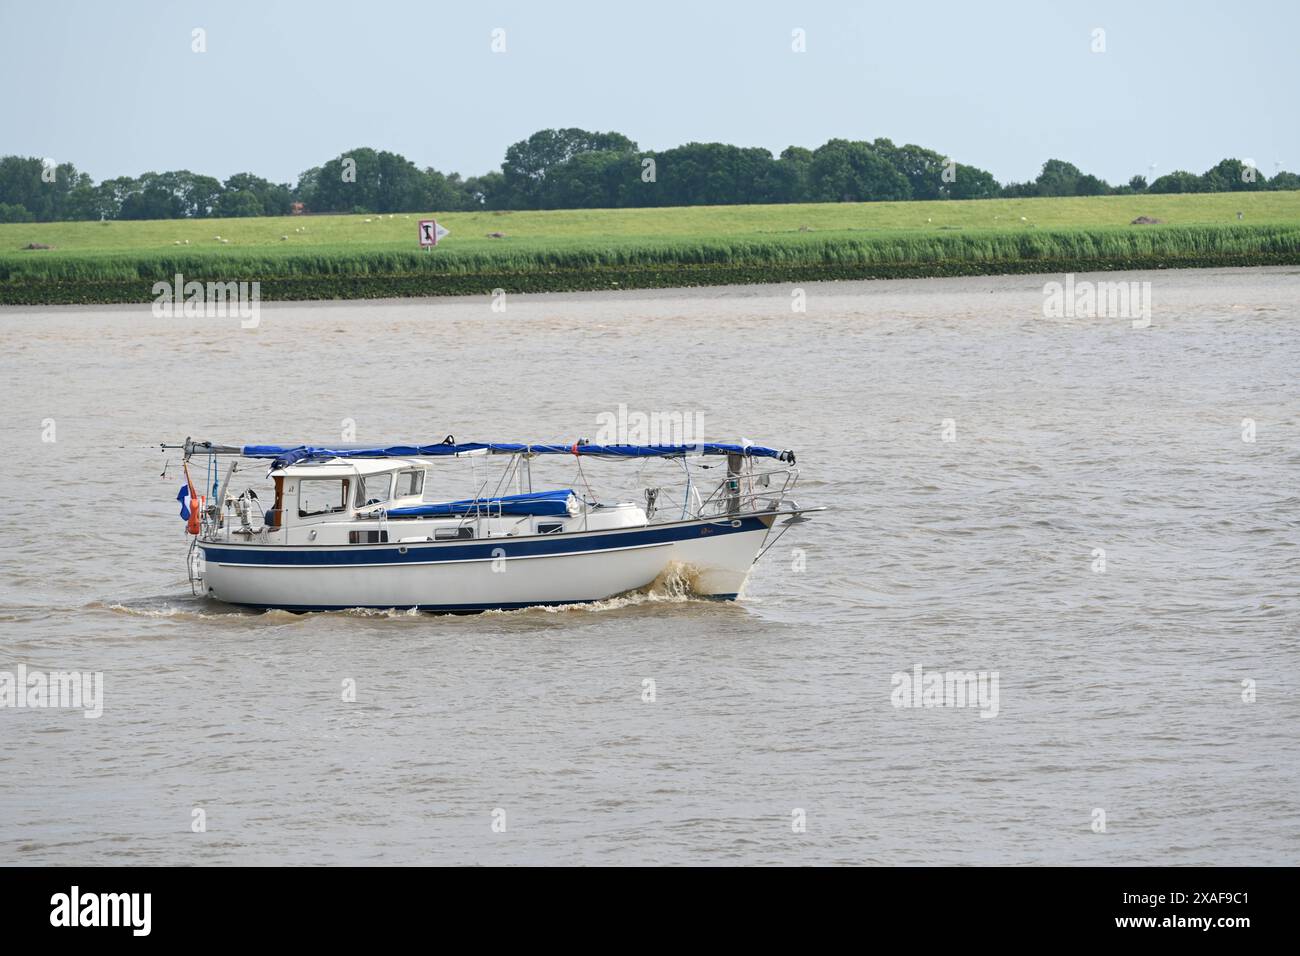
(13, 212)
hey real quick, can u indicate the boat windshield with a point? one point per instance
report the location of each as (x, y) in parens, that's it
(373, 490)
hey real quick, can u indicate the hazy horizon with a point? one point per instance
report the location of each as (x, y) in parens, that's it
(119, 92)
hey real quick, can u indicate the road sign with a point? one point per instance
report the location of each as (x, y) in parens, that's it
(431, 232)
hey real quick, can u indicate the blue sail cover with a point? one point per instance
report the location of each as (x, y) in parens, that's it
(543, 503)
(286, 455)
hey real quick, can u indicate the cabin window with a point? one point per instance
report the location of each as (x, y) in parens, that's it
(367, 537)
(322, 496)
(410, 484)
(373, 490)
(549, 527)
(452, 534)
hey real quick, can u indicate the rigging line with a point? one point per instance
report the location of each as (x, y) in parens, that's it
(504, 479)
(770, 546)
(583, 475)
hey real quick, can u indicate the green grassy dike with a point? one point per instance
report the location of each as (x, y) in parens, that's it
(371, 256)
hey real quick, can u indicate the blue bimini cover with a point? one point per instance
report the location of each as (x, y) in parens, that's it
(286, 455)
(540, 503)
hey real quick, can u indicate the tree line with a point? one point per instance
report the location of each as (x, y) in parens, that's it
(575, 169)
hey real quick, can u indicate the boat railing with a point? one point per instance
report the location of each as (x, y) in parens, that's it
(478, 510)
(744, 492)
(735, 494)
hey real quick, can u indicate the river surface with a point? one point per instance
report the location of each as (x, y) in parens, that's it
(1072, 503)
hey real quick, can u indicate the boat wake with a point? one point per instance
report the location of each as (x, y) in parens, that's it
(192, 609)
(676, 585)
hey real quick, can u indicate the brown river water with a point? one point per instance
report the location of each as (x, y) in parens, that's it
(1072, 503)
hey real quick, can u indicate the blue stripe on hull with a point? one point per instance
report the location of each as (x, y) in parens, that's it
(488, 549)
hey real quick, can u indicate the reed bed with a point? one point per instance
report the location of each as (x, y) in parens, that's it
(344, 270)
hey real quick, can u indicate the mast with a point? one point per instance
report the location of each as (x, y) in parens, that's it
(734, 465)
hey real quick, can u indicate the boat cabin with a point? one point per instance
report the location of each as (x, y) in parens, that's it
(342, 501)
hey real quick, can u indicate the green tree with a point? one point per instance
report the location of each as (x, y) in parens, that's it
(924, 168)
(971, 182)
(348, 182)
(15, 212)
(401, 185)
(81, 199)
(1231, 175)
(796, 164)
(713, 174)
(586, 181)
(21, 184)
(844, 171)
(111, 195)
(365, 180)
(158, 197)
(1179, 181)
(245, 194)
(200, 195)
(528, 161)
(488, 191)
(445, 192)
(1090, 185)
(235, 205)
(305, 191)
(1058, 178)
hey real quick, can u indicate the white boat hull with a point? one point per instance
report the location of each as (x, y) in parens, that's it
(497, 573)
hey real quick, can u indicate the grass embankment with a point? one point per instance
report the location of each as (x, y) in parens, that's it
(324, 257)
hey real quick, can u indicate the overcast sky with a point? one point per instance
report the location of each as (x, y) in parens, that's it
(116, 88)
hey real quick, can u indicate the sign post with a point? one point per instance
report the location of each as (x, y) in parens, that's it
(431, 232)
